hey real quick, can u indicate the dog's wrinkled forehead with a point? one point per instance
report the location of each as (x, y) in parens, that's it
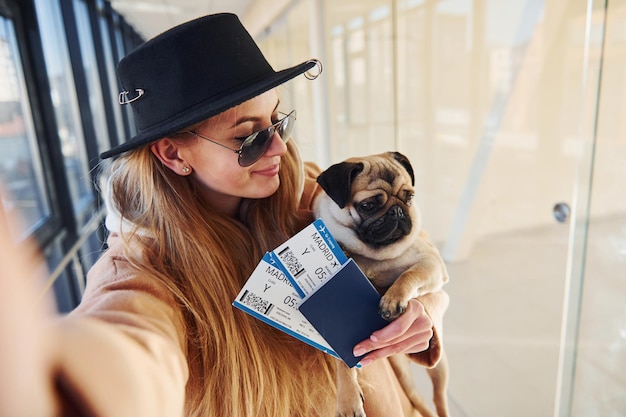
(386, 174)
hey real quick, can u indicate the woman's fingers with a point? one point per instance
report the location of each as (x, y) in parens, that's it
(409, 333)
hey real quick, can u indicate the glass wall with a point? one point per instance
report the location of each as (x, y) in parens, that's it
(110, 65)
(53, 123)
(362, 79)
(65, 102)
(599, 342)
(512, 114)
(92, 74)
(21, 171)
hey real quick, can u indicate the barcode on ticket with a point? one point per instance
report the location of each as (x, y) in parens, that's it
(255, 302)
(291, 262)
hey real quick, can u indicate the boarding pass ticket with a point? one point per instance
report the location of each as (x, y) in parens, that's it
(310, 258)
(269, 296)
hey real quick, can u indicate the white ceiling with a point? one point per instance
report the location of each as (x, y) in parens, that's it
(151, 17)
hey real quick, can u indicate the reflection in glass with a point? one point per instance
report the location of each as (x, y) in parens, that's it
(110, 74)
(121, 51)
(90, 66)
(20, 165)
(64, 100)
(361, 62)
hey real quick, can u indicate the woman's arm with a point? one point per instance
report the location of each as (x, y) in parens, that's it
(119, 354)
(123, 348)
(27, 346)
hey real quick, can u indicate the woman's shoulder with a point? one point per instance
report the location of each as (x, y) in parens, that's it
(311, 187)
(114, 283)
(311, 170)
(111, 266)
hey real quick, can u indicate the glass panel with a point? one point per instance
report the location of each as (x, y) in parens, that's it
(90, 66)
(121, 51)
(20, 165)
(65, 286)
(92, 249)
(64, 100)
(600, 340)
(360, 66)
(111, 75)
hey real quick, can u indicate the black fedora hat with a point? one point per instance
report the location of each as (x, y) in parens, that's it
(192, 72)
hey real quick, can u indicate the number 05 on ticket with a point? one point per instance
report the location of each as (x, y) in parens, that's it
(310, 258)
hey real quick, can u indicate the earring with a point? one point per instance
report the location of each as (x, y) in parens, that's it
(186, 170)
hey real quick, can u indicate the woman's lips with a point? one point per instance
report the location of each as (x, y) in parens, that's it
(269, 171)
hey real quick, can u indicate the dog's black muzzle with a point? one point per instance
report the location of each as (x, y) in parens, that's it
(387, 229)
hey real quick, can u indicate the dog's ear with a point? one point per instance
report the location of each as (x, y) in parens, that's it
(337, 181)
(404, 161)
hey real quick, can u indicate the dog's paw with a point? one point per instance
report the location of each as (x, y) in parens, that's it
(392, 306)
(350, 407)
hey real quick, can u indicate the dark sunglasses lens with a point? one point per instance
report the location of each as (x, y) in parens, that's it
(255, 146)
(285, 128)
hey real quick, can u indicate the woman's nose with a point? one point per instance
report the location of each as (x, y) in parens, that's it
(277, 147)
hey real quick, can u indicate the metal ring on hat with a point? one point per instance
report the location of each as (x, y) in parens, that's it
(123, 97)
(312, 75)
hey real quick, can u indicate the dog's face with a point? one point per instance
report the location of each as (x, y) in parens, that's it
(368, 204)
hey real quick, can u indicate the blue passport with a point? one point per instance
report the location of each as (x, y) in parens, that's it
(345, 311)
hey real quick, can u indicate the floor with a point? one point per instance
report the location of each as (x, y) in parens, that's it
(503, 326)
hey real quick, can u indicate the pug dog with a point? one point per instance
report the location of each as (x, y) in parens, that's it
(368, 207)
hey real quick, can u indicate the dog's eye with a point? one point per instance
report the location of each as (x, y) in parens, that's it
(366, 206)
(408, 197)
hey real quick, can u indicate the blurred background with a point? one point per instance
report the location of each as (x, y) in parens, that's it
(512, 113)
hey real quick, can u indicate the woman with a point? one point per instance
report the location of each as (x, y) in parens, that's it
(206, 187)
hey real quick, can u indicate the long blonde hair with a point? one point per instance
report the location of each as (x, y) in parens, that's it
(243, 366)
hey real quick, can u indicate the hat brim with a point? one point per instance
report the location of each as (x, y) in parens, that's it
(210, 107)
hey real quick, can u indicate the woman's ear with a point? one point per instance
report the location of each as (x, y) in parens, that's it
(168, 153)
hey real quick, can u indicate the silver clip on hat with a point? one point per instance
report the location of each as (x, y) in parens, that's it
(192, 72)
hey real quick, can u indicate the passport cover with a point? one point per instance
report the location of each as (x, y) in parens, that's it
(345, 311)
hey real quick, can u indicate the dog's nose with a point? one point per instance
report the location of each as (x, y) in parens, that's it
(396, 211)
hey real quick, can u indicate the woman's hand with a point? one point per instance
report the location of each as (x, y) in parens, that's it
(409, 333)
(27, 353)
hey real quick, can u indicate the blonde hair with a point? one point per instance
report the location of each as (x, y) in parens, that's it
(243, 366)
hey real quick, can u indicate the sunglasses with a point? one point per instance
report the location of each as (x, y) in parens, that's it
(255, 145)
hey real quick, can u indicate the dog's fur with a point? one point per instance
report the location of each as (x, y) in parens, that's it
(367, 206)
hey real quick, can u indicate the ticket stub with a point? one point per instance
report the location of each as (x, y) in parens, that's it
(310, 258)
(269, 296)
